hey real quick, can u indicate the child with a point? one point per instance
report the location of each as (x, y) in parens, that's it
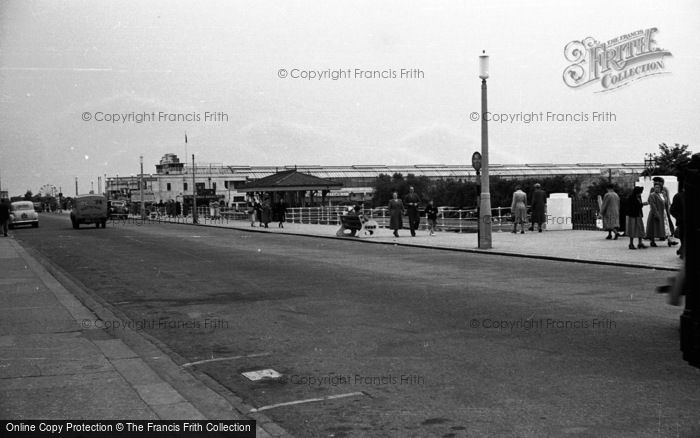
(431, 212)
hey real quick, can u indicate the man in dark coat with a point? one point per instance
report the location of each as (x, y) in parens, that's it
(539, 203)
(4, 215)
(411, 202)
(678, 210)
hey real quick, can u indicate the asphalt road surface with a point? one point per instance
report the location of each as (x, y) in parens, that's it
(413, 342)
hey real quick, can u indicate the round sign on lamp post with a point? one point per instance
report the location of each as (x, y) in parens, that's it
(476, 161)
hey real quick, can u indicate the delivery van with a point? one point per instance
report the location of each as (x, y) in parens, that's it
(89, 209)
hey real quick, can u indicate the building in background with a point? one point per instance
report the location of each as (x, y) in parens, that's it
(222, 183)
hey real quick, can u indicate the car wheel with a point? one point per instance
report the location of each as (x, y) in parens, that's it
(35, 224)
(75, 224)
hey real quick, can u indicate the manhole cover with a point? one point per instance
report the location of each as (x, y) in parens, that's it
(262, 374)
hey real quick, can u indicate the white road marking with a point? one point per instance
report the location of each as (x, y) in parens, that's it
(308, 400)
(258, 375)
(189, 364)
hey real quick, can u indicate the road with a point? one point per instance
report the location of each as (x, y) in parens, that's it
(414, 342)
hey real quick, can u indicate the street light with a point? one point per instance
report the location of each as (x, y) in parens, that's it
(143, 201)
(650, 163)
(485, 204)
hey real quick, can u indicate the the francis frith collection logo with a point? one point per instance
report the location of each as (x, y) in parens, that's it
(616, 62)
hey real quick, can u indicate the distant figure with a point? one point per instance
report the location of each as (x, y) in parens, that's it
(678, 210)
(395, 214)
(412, 201)
(431, 212)
(257, 210)
(4, 215)
(266, 212)
(610, 210)
(519, 209)
(669, 229)
(635, 225)
(281, 212)
(656, 221)
(539, 203)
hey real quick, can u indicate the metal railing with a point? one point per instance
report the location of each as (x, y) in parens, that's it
(453, 220)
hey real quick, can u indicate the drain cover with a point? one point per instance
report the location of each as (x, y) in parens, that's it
(262, 374)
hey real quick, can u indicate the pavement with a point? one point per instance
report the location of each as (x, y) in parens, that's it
(57, 363)
(567, 245)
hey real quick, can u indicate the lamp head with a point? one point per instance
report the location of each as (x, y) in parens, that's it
(483, 65)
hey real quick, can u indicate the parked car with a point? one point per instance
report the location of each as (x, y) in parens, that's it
(23, 213)
(89, 209)
(118, 208)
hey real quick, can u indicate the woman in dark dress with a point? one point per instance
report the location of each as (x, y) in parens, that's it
(395, 214)
(635, 225)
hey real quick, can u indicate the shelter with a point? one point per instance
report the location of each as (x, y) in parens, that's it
(291, 185)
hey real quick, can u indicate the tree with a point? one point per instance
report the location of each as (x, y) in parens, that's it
(28, 196)
(669, 160)
(599, 188)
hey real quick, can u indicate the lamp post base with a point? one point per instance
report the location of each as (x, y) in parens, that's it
(485, 221)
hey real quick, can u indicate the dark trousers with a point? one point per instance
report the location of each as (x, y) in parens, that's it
(413, 221)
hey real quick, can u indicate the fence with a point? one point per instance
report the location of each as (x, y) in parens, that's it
(584, 214)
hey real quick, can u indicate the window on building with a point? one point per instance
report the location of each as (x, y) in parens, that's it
(167, 187)
(213, 186)
(185, 186)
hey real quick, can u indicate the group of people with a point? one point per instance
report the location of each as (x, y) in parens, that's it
(518, 209)
(659, 224)
(265, 212)
(409, 205)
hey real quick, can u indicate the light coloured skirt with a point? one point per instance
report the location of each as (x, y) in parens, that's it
(635, 227)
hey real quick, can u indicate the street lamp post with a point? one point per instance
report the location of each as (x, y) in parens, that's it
(194, 194)
(143, 201)
(485, 204)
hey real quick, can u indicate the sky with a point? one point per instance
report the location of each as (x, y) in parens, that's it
(77, 76)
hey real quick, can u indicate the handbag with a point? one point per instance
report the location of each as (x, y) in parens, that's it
(599, 223)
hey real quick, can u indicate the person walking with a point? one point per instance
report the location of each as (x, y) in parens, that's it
(634, 224)
(4, 215)
(669, 229)
(678, 210)
(657, 216)
(412, 201)
(539, 204)
(395, 214)
(266, 212)
(257, 210)
(610, 211)
(431, 212)
(281, 212)
(518, 209)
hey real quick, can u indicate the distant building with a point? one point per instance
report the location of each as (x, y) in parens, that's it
(173, 179)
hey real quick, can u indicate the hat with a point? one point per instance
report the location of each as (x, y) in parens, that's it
(537, 185)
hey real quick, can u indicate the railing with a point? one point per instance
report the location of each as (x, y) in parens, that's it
(462, 221)
(447, 220)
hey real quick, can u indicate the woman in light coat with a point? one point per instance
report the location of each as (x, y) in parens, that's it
(396, 214)
(519, 210)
